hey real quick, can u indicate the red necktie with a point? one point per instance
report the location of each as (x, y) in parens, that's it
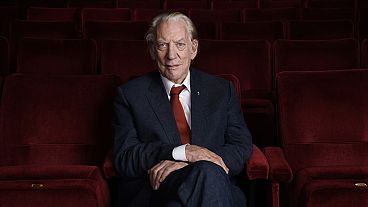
(179, 115)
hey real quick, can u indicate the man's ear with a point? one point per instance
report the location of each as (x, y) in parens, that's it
(194, 48)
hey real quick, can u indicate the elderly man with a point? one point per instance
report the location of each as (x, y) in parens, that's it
(179, 133)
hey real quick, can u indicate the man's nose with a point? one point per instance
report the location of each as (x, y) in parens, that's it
(172, 51)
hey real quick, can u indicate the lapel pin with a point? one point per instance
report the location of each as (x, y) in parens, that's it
(198, 93)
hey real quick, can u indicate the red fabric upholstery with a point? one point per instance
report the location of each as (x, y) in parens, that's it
(318, 29)
(330, 4)
(280, 170)
(105, 14)
(23, 5)
(91, 4)
(207, 30)
(271, 14)
(53, 137)
(136, 4)
(63, 117)
(364, 53)
(257, 165)
(4, 56)
(52, 14)
(250, 62)
(266, 30)
(123, 30)
(299, 55)
(119, 57)
(64, 185)
(280, 3)
(224, 5)
(205, 15)
(63, 56)
(322, 116)
(146, 14)
(185, 4)
(327, 13)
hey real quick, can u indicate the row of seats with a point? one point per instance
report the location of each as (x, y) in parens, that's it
(55, 136)
(129, 30)
(256, 63)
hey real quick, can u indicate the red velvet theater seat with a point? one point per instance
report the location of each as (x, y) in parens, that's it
(185, 4)
(205, 15)
(328, 13)
(146, 14)
(250, 61)
(299, 55)
(135, 4)
(52, 14)
(91, 4)
(266, 30)
(4, 56)
(320, 29)
(364, 53)
(225, 5)
(280, 3)
(105, 14)
(330, 3)
(323, 127)
(54, 136)
(62, 56)
(126, 59)
(271, 14)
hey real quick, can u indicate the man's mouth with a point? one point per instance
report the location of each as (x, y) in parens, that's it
(172, 67)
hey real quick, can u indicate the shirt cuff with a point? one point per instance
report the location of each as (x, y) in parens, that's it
(178, 153)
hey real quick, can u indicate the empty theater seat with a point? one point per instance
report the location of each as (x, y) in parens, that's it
(225, 5)
(63, 56)
(126, 59)
(299, 55)
(266, 30)
(318, 29)
(329, 4)
(271, 14)
(250, 61)
(146, 14)
(322, 119)
(105, 14)
(328, 13)
(52, 14)
(205, 15)
(54, 136)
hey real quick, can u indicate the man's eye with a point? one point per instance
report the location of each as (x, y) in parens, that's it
(180, 45)
(161, 46)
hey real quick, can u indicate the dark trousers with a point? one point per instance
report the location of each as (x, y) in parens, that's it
(199, 184)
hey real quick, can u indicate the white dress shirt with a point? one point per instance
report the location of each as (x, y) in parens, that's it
(178, 153)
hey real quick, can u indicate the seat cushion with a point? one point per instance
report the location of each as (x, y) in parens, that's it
(48, 185)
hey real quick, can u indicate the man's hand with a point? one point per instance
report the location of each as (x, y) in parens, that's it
(159, 172)
(196, 153)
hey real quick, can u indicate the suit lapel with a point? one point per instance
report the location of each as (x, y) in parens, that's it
(199, 105)
(161, 106)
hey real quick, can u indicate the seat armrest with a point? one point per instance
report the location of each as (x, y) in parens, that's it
(280, 170)
(257, 165)
(108, 166)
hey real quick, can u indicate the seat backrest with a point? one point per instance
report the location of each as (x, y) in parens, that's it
(271, 14)
(320, 29)
(62, 56)
(56, 119)
(281, 4)
(266, 30)
(364, 53)
(327, 13)
(225, 5)
(299, 55)
(185, 4)
(105, 14)
(330, 4)
(323, 117)
(250, 61)
(234, 80)
(147, 14)
(52, 14)
(124, 30)
(126, 59)
(136, 4)
(205, 15)
(4, 56)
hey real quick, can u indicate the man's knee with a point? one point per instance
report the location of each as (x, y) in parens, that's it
(209, 169)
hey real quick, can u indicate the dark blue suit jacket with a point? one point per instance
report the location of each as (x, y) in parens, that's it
(145, 131)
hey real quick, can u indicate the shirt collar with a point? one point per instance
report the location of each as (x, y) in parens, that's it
(169, 84)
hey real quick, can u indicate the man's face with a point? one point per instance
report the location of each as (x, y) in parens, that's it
(174, 50)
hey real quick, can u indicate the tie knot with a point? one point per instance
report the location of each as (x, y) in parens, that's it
(177, 90)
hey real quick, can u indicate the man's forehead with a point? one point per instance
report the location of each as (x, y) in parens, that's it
(172, 29)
